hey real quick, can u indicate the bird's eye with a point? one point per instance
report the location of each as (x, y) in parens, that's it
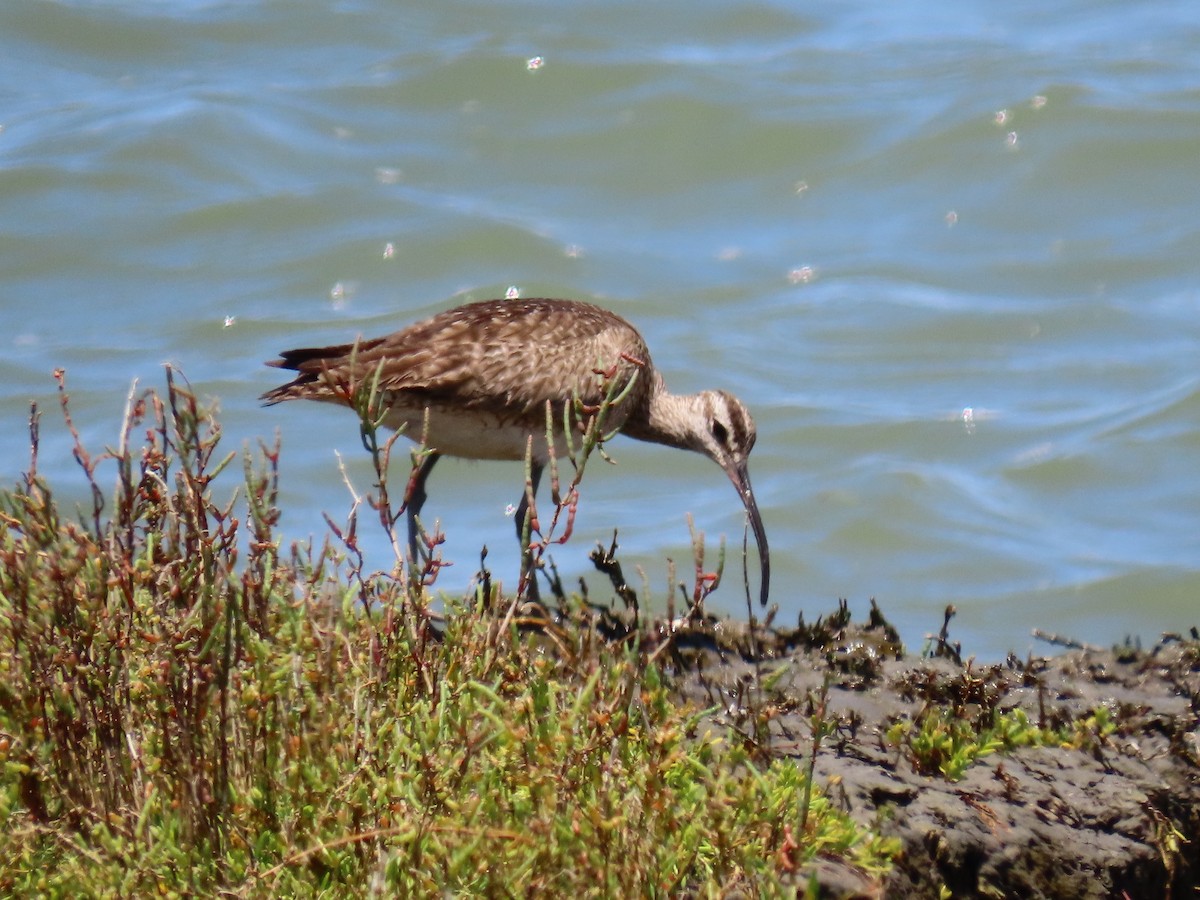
(720, 433)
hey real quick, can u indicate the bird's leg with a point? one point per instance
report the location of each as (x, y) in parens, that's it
(528, 570)
(414, 499)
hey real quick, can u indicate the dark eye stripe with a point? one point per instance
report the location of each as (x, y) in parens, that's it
(739, 428)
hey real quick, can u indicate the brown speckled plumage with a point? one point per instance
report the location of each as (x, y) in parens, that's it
(486, 370)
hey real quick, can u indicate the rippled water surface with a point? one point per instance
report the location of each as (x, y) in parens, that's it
(949, 258)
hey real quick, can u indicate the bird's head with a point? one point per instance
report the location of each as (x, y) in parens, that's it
(724, 431)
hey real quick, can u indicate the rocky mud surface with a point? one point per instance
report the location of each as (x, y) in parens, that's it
(1110, 810)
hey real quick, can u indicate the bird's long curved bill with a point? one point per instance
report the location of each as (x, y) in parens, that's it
(740, 476)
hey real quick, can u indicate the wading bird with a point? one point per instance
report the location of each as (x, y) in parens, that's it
(475, 381)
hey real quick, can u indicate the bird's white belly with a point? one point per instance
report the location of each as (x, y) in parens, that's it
(473, 434)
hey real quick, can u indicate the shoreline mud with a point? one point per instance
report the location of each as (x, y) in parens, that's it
(1112, 812)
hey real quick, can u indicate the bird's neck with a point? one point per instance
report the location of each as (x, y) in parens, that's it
(664, 418)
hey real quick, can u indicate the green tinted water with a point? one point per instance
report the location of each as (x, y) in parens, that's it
(948, 259)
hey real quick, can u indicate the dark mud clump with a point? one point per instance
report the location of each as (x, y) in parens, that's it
(1075, 775)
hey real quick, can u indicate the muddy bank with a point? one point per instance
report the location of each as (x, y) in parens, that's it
(1108, 808)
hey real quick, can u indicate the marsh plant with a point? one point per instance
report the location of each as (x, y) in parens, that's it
(186, 706)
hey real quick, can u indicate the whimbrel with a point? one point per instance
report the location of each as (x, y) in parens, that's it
(483, 373)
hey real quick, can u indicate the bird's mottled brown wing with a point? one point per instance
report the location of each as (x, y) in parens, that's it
(510, 356)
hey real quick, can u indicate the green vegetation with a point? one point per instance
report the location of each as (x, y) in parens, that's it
(943, 742)
(186, 707)
(948, 740)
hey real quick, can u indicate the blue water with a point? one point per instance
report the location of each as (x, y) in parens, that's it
(949, 258)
